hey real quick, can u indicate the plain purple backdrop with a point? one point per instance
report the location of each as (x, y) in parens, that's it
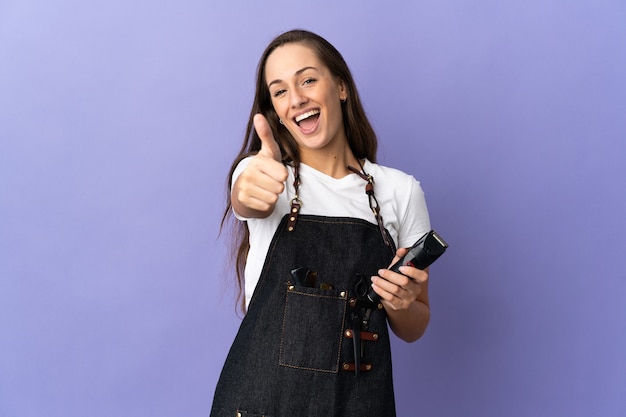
(119, 121)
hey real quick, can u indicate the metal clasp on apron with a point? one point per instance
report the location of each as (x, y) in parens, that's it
(296, 203)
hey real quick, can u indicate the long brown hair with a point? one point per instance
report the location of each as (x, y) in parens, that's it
(361, 136)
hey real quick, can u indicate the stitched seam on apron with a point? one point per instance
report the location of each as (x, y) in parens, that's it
(364, 223)
(343, 320)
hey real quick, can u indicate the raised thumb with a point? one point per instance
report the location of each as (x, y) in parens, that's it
(269, 147)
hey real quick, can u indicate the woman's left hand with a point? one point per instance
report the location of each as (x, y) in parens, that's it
(399, 291)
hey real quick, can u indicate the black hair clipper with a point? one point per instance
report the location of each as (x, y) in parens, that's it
(424, 252)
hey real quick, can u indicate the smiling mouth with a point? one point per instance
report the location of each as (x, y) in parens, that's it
(308, 117)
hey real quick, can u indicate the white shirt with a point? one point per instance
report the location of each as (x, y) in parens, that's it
(399, 195)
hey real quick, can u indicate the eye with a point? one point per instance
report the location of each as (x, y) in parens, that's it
(278, 93)
(309, 81)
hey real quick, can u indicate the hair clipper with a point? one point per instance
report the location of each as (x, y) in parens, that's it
(424, 252)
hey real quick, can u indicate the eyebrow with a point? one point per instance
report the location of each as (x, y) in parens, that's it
(300, 71)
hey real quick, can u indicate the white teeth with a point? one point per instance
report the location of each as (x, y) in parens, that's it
(306, 115)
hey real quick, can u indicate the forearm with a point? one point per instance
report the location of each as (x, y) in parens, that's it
(409, 324)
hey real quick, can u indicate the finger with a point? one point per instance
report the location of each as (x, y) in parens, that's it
(416, 275)
(269, 147)
(259, 202)
(394, 278)
(261, 185)
(399, 254)
(266, 173)
(389, 293)
(385, 286)
(405, 290)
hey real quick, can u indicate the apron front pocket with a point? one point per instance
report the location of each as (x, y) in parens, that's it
(312, 330)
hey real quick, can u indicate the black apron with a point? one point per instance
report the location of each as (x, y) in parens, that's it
(294, 354)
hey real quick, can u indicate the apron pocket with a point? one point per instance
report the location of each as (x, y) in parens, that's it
(312, 331)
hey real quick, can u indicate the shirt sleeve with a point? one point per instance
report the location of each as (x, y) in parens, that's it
(416, 221)
(241, 166)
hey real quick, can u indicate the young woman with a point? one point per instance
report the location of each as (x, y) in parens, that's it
(319, 222)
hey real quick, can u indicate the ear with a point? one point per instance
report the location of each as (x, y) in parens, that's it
(343, 90)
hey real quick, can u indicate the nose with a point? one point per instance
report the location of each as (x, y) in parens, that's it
(297, 98)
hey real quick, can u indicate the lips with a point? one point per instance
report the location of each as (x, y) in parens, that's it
(307, 121)
(306, 115)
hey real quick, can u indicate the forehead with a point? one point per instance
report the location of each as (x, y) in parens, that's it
(286, 60)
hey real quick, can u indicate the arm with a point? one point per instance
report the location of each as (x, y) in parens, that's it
(256, 190)
(405, 298)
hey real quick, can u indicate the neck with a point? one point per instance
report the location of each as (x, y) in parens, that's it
(333, 163)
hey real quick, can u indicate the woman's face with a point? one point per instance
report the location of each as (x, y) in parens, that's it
(306, 97)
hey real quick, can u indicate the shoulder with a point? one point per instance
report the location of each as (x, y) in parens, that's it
(390, 176)
(402, 201)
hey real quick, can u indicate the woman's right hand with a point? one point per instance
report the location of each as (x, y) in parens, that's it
(257, 188)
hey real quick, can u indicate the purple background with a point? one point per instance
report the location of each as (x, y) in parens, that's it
(119, 120)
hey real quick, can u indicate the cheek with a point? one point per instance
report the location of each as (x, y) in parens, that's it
(279, 107)
(336, 113)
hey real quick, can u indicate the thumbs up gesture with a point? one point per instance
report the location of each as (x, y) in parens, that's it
(256, 190)
(269, 147)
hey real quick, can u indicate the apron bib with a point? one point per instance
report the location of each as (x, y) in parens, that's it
(294, 354)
